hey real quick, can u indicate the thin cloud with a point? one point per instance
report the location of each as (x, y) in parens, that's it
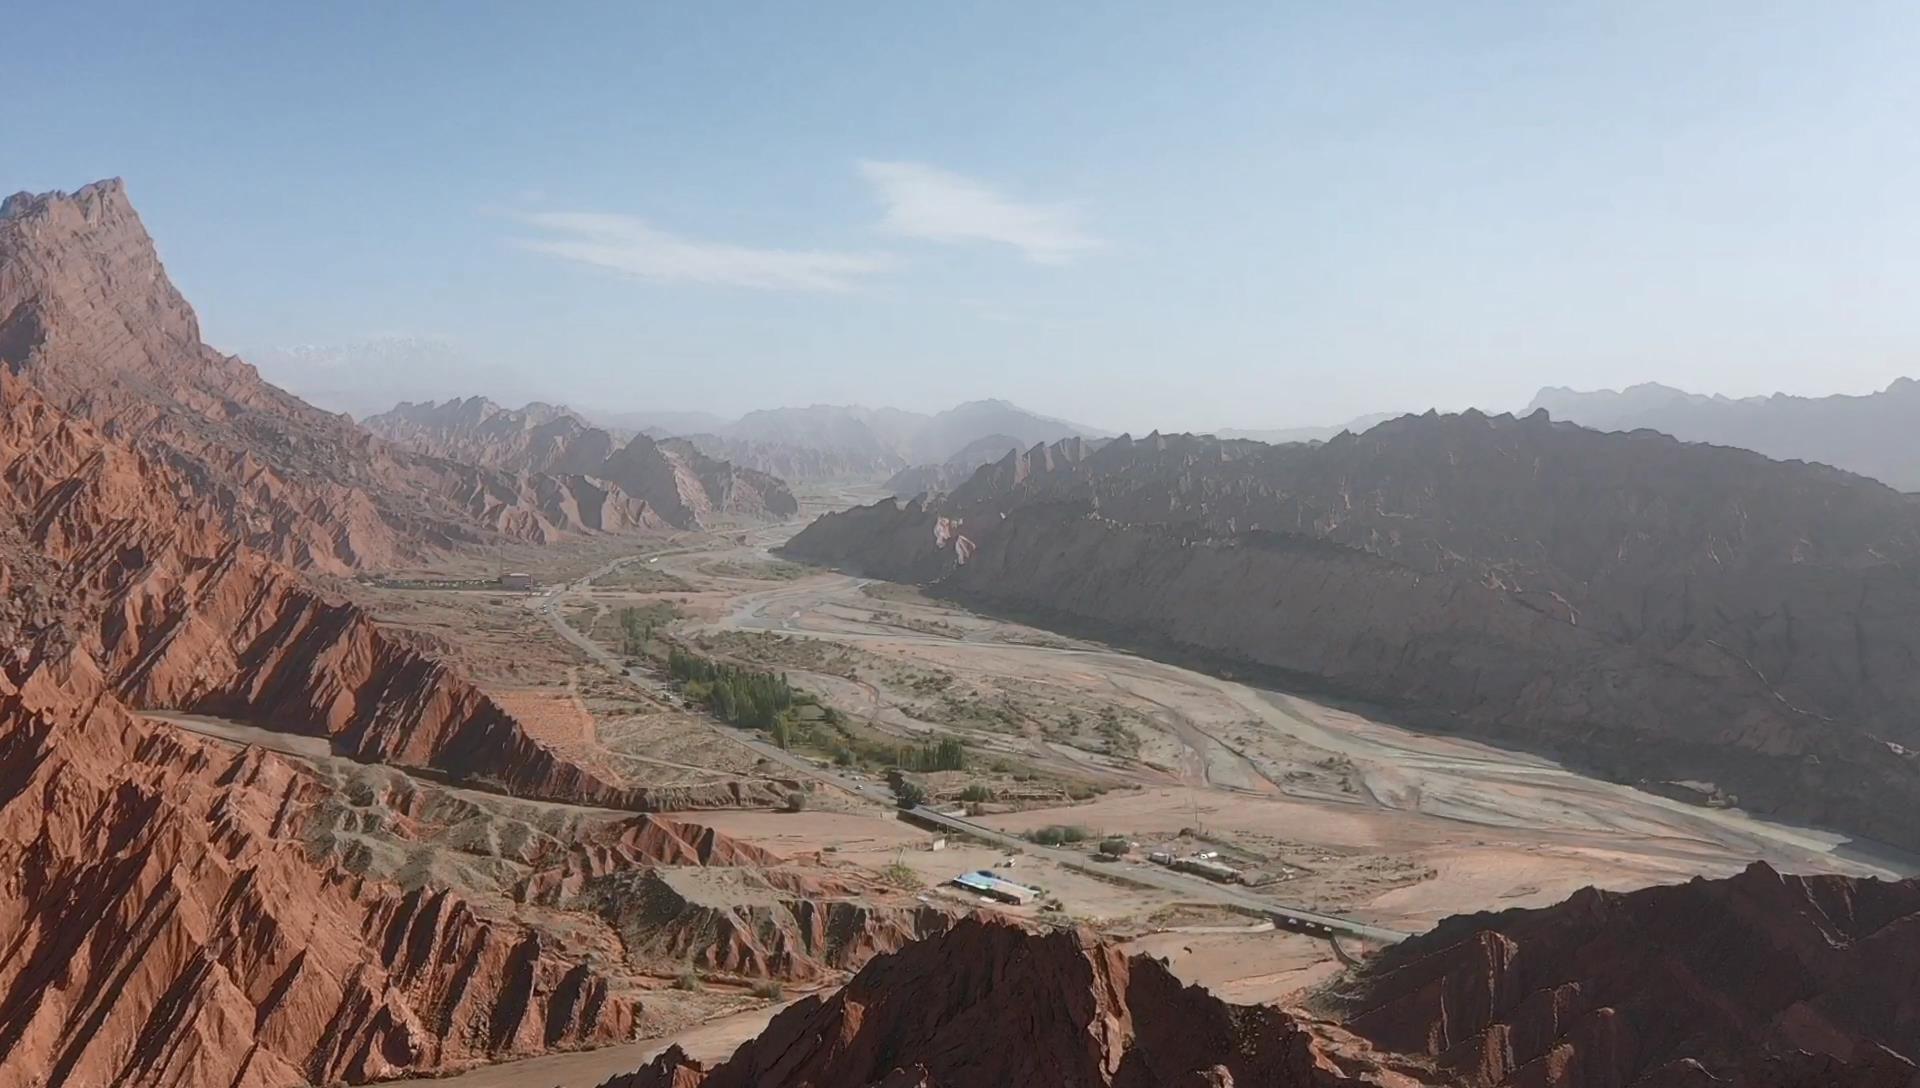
(628, 244)
(940, 206)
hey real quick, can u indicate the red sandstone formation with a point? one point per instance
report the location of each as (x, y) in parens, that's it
(678, 893)
(165, 927)
(1761, 979)
(987, 1005)
(136, 570)
(89, 318)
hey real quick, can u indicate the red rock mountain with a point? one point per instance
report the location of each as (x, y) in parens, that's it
(1640, 606)
(684, 486)
(164, 925)
(89, 318)
(987, 1005)
(163, 922)
(1757, 979)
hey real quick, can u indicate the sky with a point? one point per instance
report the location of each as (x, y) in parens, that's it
(1134, 216)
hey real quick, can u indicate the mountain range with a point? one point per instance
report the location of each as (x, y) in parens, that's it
(1869, 434)
(1644, 607)
(675, 480)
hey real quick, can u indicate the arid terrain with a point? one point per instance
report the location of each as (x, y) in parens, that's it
(1331, 808)
(497, 749)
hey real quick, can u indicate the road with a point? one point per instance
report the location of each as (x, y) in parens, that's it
(1290, 917)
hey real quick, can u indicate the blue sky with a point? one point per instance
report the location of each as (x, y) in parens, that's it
(1134, 215)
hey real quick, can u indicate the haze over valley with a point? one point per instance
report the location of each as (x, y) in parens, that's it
(910, 549)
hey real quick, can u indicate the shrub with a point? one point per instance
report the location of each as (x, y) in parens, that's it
(910, 794)
(770, 990)
(796, 802)
(901, 875)
(689, 980)
(1115, 847)
(976, 792)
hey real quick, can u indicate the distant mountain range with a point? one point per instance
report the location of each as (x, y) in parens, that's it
(849, 442)
(1871, 435)
(1358, 425)
(679, 483)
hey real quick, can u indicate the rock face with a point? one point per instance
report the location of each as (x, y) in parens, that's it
(164, 925)
(1758, 979)
(675, 480)
(955, 470)
(1865, 434)
(89, 319)
(1641, 606)
(987, 1004)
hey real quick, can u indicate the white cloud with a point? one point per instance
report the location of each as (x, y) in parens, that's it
(937, 205)
(627, 244)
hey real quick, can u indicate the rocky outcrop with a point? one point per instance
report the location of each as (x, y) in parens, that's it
(137, 572)
(674, 480)
(89, 318)
(1760, 979)
(1865, 434)
(681, 896)
(1646, 607)
(165, 927)
(955, 470)
(987, 1004)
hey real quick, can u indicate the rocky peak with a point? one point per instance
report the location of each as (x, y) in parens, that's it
(1708, 982)
(988, 1004)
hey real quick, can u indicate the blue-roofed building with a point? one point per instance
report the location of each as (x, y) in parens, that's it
(991, 886)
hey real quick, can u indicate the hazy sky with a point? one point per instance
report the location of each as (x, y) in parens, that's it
(1172, 215)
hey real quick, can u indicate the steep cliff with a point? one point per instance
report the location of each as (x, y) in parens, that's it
(1649, 607)
(987, 1004)
(89, 318)
(1757, 979)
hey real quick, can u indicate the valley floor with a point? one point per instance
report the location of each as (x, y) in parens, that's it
(1334, 809)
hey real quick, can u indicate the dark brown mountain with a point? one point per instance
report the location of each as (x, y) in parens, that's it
(1641, 606)
(675, 480)
(987, 1004)
(1749, 980)
(89, 318)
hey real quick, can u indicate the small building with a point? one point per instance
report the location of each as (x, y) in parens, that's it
(516, 580)
(1216, 871)
(985, 883)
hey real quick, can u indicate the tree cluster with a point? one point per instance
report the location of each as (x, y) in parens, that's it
(736, 694)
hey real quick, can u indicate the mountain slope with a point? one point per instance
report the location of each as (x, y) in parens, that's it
(956, 470)
(1645, 607)
(676, 482)
(89, 318)
(1864, 434)
(987, 1004)
(1706, 982)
